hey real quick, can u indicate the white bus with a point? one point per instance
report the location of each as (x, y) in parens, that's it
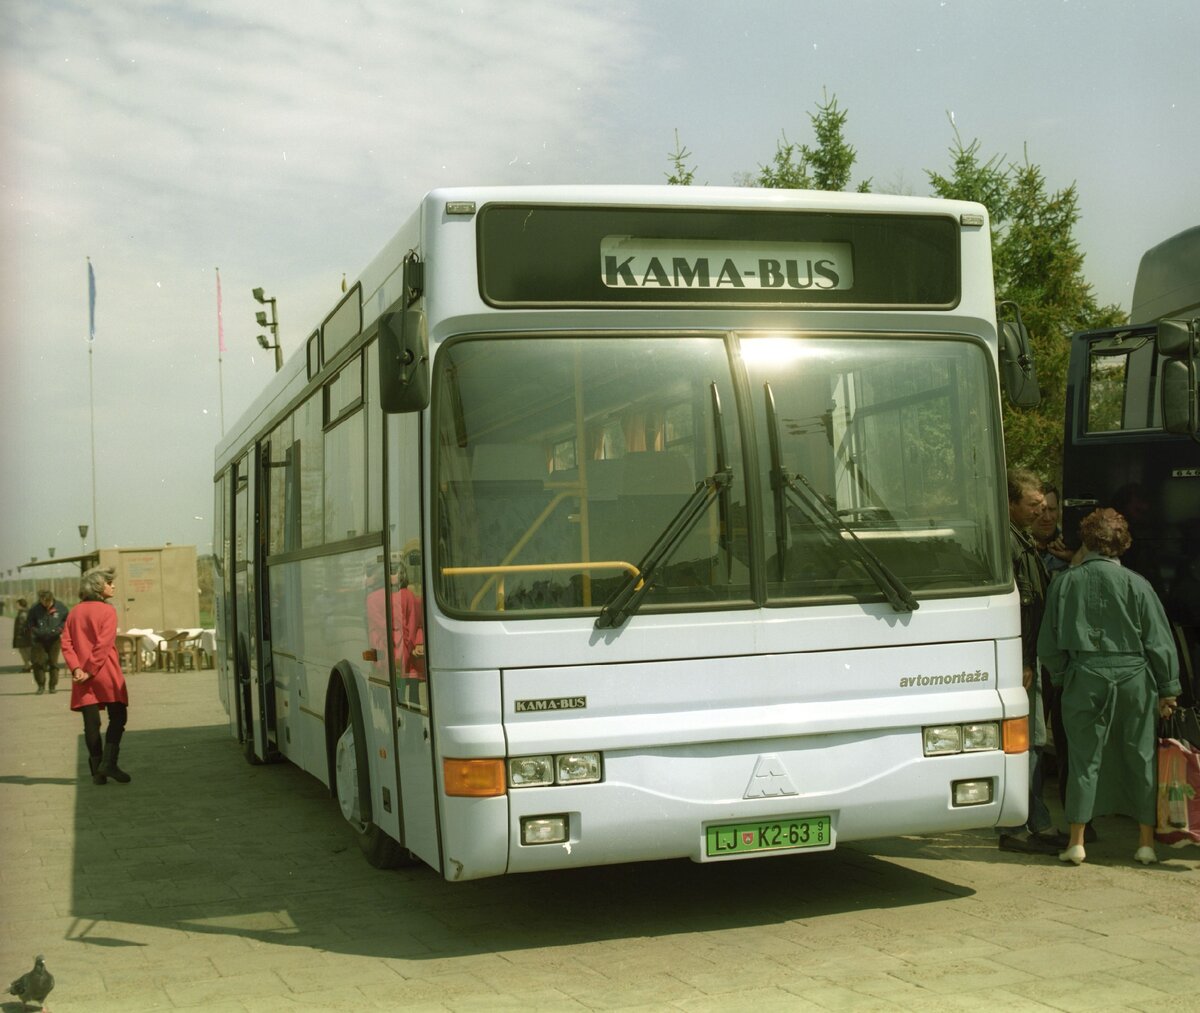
(610, 524)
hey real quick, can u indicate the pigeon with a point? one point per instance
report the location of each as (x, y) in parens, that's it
(34, 985)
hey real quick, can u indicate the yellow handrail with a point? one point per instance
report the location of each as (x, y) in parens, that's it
(505, 568)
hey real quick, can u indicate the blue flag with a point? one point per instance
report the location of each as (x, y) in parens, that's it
(91, 302)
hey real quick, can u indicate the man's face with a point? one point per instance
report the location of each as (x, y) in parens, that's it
(1024, 511)
(1046, 522)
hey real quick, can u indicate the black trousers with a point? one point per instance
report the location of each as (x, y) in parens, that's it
(117, 715)
(46, 658)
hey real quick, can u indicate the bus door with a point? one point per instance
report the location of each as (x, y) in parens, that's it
(242, 628)
(410, 670)
(1118, 454)
(265, 690)
(251, 700)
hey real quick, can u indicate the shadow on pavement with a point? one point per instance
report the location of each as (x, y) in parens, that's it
(203, 842)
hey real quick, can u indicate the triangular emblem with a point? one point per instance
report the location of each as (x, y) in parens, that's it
(770, 778)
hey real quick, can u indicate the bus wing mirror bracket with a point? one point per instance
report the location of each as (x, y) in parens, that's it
(1179, 346)
(404, 346)
(1017, 371)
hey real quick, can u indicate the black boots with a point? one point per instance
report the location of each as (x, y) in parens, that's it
(108, 764)
(97, 777)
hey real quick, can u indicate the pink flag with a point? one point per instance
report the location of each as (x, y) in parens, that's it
(220, 323)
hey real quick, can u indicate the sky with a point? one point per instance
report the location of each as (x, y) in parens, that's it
(285, 143)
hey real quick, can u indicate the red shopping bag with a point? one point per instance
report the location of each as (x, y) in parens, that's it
(1178, 792)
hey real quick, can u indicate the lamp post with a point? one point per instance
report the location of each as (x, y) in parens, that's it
(272, 325)
(83, 530)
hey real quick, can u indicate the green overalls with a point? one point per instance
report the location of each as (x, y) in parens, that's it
(1105, 639)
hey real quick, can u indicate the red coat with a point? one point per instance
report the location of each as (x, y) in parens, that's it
(89, 641)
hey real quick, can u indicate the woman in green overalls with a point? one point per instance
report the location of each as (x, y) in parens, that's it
(1106, 641)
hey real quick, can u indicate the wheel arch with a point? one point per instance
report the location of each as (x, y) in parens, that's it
(343, 703)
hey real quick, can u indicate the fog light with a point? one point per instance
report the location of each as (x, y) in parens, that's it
(530, 771)
(578, 768)
(982, 736)
(971, 792)
(544, 829)
(943, 739)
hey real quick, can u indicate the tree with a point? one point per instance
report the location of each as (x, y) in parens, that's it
(1036, 260)
(826, 166)
(1038, 265)
(682, 175)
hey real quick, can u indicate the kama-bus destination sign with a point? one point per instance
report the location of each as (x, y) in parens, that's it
(632, 262)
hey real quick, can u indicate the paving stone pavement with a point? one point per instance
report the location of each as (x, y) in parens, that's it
(209, 884)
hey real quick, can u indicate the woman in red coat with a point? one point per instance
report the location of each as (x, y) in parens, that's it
(89, 646)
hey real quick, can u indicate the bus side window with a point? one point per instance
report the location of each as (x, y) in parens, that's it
(1123, 390)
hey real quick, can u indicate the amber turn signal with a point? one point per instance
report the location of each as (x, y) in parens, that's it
(1016, 735)
(473, 778)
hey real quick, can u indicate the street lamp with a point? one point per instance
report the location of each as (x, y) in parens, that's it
(83, 530)
(272, 324)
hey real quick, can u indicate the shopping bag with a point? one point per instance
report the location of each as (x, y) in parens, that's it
(1178, 793)
(1185, 725)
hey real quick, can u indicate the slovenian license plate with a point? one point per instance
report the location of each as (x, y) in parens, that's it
(770, 835)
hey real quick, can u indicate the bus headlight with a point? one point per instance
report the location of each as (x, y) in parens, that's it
(530, 771)
(564, 768)
(577, 768)
(972, 792)
(981, 736)
(946, 740)
(545, 829)
(942, 740)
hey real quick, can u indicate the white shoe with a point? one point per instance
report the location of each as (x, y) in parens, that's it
(1145, 855)
(1075, 854)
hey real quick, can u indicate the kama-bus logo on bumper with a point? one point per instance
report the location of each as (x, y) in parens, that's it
(632, 262)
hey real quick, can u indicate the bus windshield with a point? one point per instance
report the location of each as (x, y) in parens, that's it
(562, 463)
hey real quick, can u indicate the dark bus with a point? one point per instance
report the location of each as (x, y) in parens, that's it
(1131, 439)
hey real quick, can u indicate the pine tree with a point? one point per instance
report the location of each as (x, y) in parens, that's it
(682, 174)
(824, 166)
(1038, 265)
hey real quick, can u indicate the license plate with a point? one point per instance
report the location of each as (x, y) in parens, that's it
(769, 835)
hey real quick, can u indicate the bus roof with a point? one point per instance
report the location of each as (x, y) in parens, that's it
(1168, 279)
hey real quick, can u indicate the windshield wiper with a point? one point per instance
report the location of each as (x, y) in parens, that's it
(808, 499)
(716, 486)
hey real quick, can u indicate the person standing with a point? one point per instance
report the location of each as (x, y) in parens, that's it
(97, 682)
(46, 620)
(1047, 533)
(21, 640)
(1056, 558)
(1107, 643)
(1025, 503)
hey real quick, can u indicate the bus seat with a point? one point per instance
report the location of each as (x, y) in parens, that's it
(508, 462)
(657, 473)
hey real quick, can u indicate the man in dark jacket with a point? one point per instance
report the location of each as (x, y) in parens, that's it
(1025, 504)
(46, 620)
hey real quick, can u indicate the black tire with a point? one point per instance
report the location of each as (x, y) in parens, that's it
(377, 847)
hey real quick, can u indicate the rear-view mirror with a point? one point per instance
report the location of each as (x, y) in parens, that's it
(404, 347)
(1179, 347)
(1018, 375)
(1180, 398)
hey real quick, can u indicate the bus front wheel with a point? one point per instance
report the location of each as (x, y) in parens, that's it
(380, 850)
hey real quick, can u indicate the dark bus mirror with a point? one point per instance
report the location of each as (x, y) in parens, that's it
(1176, 339)
(1179, 347)
(1018, 374)
(1180, 397)
(403, 361)
(404, 347)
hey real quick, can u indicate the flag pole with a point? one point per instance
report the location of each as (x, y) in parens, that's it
(220, 353)
(91, 277)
